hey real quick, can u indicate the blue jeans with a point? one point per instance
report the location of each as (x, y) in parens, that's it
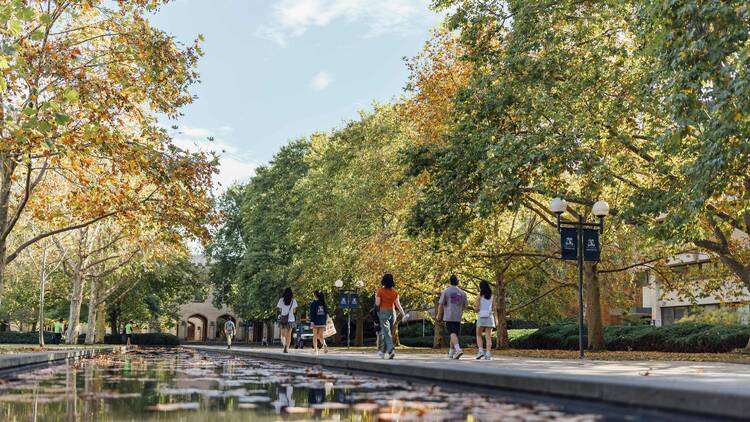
(386, 338)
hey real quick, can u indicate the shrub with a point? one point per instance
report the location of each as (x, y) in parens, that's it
(684, 337)
(145, 339)
(716, 316)
(16, 337)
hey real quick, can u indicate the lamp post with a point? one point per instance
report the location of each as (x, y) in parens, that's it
(348, 295)
(591, 239)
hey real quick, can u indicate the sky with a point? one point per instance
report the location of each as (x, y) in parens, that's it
(277, 70)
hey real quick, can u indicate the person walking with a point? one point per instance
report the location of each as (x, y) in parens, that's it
(229, 330)
(485, 306)
(386, 299)
(287, 305)
(451, 309)
(129, 332)
(318, 319)
(57, 330)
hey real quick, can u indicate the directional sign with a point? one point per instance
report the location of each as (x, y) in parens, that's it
(591, 250)
(348, 300)
(569, 243)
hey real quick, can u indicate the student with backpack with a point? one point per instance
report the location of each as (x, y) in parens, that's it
(451, 310)
(287, 305)
(485, 306)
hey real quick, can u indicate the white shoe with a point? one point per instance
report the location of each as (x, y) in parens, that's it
(392, 354)
(381, 355)
(487, 356)
(451, 354)
(480, 354)
(458, 354)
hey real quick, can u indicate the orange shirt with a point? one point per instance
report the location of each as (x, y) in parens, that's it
(387, 297)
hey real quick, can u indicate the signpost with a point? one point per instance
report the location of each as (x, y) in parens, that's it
(348, 300)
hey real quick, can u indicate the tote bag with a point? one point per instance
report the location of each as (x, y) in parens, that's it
(330, 328)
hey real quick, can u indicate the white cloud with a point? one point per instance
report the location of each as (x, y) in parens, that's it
(321, 80)
(233, 167)
(292, 18)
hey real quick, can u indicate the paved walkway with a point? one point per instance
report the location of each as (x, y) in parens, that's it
(708, 388)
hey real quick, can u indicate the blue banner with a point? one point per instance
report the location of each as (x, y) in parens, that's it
(591, 250)
(569, 243)
(348, 300)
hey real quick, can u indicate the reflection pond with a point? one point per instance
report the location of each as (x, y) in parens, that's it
(185, 385)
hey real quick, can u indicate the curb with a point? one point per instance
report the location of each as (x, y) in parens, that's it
(17, 361)
(618, 392)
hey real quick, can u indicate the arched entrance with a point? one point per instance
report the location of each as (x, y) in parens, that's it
(197, 327)
(220, 325)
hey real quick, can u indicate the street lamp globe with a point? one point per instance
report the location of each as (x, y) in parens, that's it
(558, 205)
(339, 283)
(601, 209)
(360, 284)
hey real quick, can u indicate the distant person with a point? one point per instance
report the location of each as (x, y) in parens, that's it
(485, 306)
(386, 299)
(318, 319)
(287, 305)
(57, 330)
(451, 309)
(229, 330)
(129, 333)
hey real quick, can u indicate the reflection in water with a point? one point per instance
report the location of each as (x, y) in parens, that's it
(184, 385)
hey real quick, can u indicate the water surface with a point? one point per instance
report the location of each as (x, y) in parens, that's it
(185, 385)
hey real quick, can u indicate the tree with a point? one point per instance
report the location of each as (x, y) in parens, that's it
(80, 86)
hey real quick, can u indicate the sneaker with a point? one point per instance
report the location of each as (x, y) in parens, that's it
(451, 354)
(487, 356)
(480, 354)
(381, 355)
(458, 354)
(392, 354)
(325, 348)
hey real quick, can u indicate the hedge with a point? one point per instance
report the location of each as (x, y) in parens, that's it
(17, 337)
(145, 339)
(683, 337)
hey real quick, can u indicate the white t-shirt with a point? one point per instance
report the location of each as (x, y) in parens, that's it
(287, 310)
(485, 306)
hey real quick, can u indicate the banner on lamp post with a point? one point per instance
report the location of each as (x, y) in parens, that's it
(569, 243)
(591, 249)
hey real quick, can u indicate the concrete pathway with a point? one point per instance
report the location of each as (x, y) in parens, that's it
(721, 389)
(17, 361)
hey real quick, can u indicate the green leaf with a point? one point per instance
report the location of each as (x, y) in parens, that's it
(26, 14)
(70, 95)
(3, 84)
(14, 27)
(62, 118)
(37, 35)
(46, 18)
(4, 63)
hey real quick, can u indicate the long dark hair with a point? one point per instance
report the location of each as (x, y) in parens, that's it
(387, 281)
(484, 289)
(287, 296)
(322, 298)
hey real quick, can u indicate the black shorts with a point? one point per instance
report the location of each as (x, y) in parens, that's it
(453, 327)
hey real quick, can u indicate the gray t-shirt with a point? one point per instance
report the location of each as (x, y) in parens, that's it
(454, 301)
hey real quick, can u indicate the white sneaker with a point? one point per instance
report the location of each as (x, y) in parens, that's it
(480, 354)
(451, 354)
(458, 354)
(392, 354)
(381, 355)
(487, 356)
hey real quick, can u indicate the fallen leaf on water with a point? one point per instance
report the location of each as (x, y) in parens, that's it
(247, 406)
(297, 410)
(330, 405)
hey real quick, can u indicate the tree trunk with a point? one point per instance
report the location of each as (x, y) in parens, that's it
(91, 318)
(359, 331)
(76, 297)
(500, 300)
(6, 173)
(594, 326)
(437, 329)
(114, 325)
(42, 282)
(101, 323)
